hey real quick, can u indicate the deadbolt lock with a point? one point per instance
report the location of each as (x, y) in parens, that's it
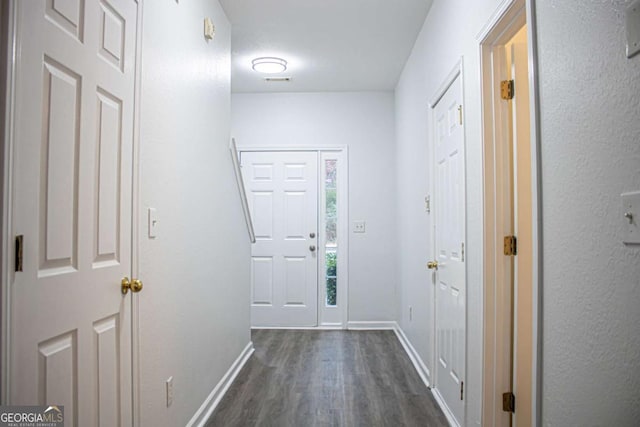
(135, 285)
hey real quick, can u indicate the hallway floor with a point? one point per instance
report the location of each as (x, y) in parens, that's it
(327, 378)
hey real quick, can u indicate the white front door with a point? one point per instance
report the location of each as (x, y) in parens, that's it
(449, 248)
(70, 325)
(282, 192)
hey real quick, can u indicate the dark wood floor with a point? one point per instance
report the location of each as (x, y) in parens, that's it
(327, 378)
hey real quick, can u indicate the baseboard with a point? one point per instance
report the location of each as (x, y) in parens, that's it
(422, 369)
(424, 373)
(216, 395)
(445, 408)
(371, 325)
(301, 328)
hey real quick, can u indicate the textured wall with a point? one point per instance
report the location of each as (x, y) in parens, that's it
(449, 32)
(590, 110)
(194, 310)
(364, 123)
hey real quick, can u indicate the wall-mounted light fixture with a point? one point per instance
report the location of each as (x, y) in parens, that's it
(269, 65)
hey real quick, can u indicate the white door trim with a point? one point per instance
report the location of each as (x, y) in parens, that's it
(9, 41)
(509, 16)
(136, 227)
(343, 228)
(243, 148)
(456, 71)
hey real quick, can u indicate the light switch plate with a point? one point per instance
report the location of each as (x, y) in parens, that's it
(359, 226)
(632, 24)
(153, 223)
(631, 217)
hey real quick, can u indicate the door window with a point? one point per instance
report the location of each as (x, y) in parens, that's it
(331, 231)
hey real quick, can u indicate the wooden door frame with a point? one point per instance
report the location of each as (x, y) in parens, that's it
(8, 39)
(343, 227)
(510, 16)
(456, 71)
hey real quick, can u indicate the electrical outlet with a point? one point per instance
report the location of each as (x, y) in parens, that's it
(169, 384)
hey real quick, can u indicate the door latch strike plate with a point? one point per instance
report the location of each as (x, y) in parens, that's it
(18, 249)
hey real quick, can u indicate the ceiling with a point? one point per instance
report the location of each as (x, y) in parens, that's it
(330, 45)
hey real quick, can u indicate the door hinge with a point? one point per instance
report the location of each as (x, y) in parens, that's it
(461, 390)
(462, 256)
(510, 245)
(506, 89)
(460, 114)
(18, 249)
(508, 402)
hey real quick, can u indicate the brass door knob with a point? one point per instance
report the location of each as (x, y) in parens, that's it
(432, 265)
(135, 285)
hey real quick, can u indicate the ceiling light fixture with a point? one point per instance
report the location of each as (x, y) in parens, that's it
(269, 65)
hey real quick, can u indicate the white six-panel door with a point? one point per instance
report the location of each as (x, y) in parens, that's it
(450, 240)
(70, 325)
(282, 192)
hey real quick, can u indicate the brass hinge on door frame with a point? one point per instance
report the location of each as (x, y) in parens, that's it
(508, 402)
(510, 245)
(18, 254)
(506, 89)
(460, 114)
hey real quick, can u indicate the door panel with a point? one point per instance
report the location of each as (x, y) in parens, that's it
(450, 239)
(262, 280)
(282, 190)
(295, 281)
(70, 326)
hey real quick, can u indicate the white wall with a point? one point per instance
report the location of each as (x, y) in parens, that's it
(590, 110)
(590, 154)
(364, 123)
(194, 309)
(449, 33)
